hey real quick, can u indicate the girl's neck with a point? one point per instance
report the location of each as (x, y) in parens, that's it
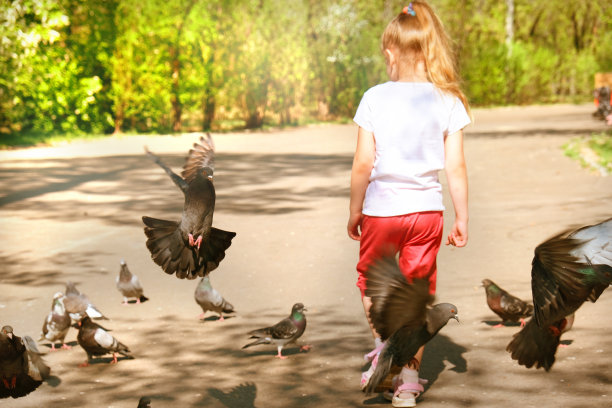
(412, 73)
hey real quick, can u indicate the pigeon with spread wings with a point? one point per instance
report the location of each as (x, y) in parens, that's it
(190, 247)
(22, 368)
(567, 270)
(400, 313)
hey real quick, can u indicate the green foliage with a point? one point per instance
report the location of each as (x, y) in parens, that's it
(90, 66)
(594, 152)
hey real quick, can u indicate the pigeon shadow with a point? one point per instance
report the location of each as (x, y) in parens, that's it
(241, 396)
(108, 360)
(135, 302)
(216, 318)
(440, 349)
(53, 381)
(498, 322)
(59, 345)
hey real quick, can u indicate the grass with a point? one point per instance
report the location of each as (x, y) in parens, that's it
(594, 152)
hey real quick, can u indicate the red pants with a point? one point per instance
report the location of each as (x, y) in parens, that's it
(417, 238)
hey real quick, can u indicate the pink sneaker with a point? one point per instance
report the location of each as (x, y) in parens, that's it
(404, 394)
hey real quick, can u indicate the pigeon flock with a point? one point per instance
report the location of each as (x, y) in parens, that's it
(571, 268)
(188, 248)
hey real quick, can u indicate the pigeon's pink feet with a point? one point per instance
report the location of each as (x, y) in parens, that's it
(85, 364)
(195, 242)
(499, 325)
(305, 347)
(201, 316)
(522, 323)
(561, 345)
(280, 356)
(53, 347)
(114, 359)
(66, 347)
(220, 319)
(137, 301)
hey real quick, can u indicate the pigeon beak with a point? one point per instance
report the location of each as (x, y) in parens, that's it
(456, 318)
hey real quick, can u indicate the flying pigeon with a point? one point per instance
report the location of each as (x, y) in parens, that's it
(209, 299)
(78, 305)
(401, 316)
(190, 247)
(22, 369)
(508, 307)
(96, 341)
(567, 270)
(56, 325)
(129, 285)
(282, 333)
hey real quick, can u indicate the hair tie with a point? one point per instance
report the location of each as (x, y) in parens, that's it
(409, 10)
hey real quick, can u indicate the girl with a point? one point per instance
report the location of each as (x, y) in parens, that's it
(409, 128)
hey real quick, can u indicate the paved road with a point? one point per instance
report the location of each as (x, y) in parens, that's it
(71, 212)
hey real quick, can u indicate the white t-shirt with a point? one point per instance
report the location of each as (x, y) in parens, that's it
(410, 121)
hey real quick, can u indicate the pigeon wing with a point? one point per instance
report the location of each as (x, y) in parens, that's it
(395, 301)
(103, 338)
(176, 179)
(201, 156)
(555, 278)
(285, 329)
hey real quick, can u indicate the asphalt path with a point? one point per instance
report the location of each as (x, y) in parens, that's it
(73, 211)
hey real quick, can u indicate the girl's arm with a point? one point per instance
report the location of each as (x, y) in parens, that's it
(360, 177)
(456, 174)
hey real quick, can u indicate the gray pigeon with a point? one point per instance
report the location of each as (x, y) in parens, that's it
(78, 305)
(209, 299)
(401, 316)
(567, 270)
(57, 323)
(129, 285)
(282, 333)
(190, 247)
(97, 341)
(22, 369)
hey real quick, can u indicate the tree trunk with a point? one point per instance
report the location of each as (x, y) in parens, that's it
(177, 108)
(509, 25)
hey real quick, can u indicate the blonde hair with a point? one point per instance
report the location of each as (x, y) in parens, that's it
(421, 37)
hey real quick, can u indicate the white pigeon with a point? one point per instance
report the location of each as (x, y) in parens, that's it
(57, 323)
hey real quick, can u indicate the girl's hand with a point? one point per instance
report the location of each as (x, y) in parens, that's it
(354, 224)
(458, 236)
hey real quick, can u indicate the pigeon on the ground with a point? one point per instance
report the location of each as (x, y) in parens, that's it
(78, 305)
(400, 314)
(190, 247)
(22, 369)
(282, 333)
(97, 341)
(129, 285)
(567, 270)
(210, 299)
(57, 323)
(508, 307)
